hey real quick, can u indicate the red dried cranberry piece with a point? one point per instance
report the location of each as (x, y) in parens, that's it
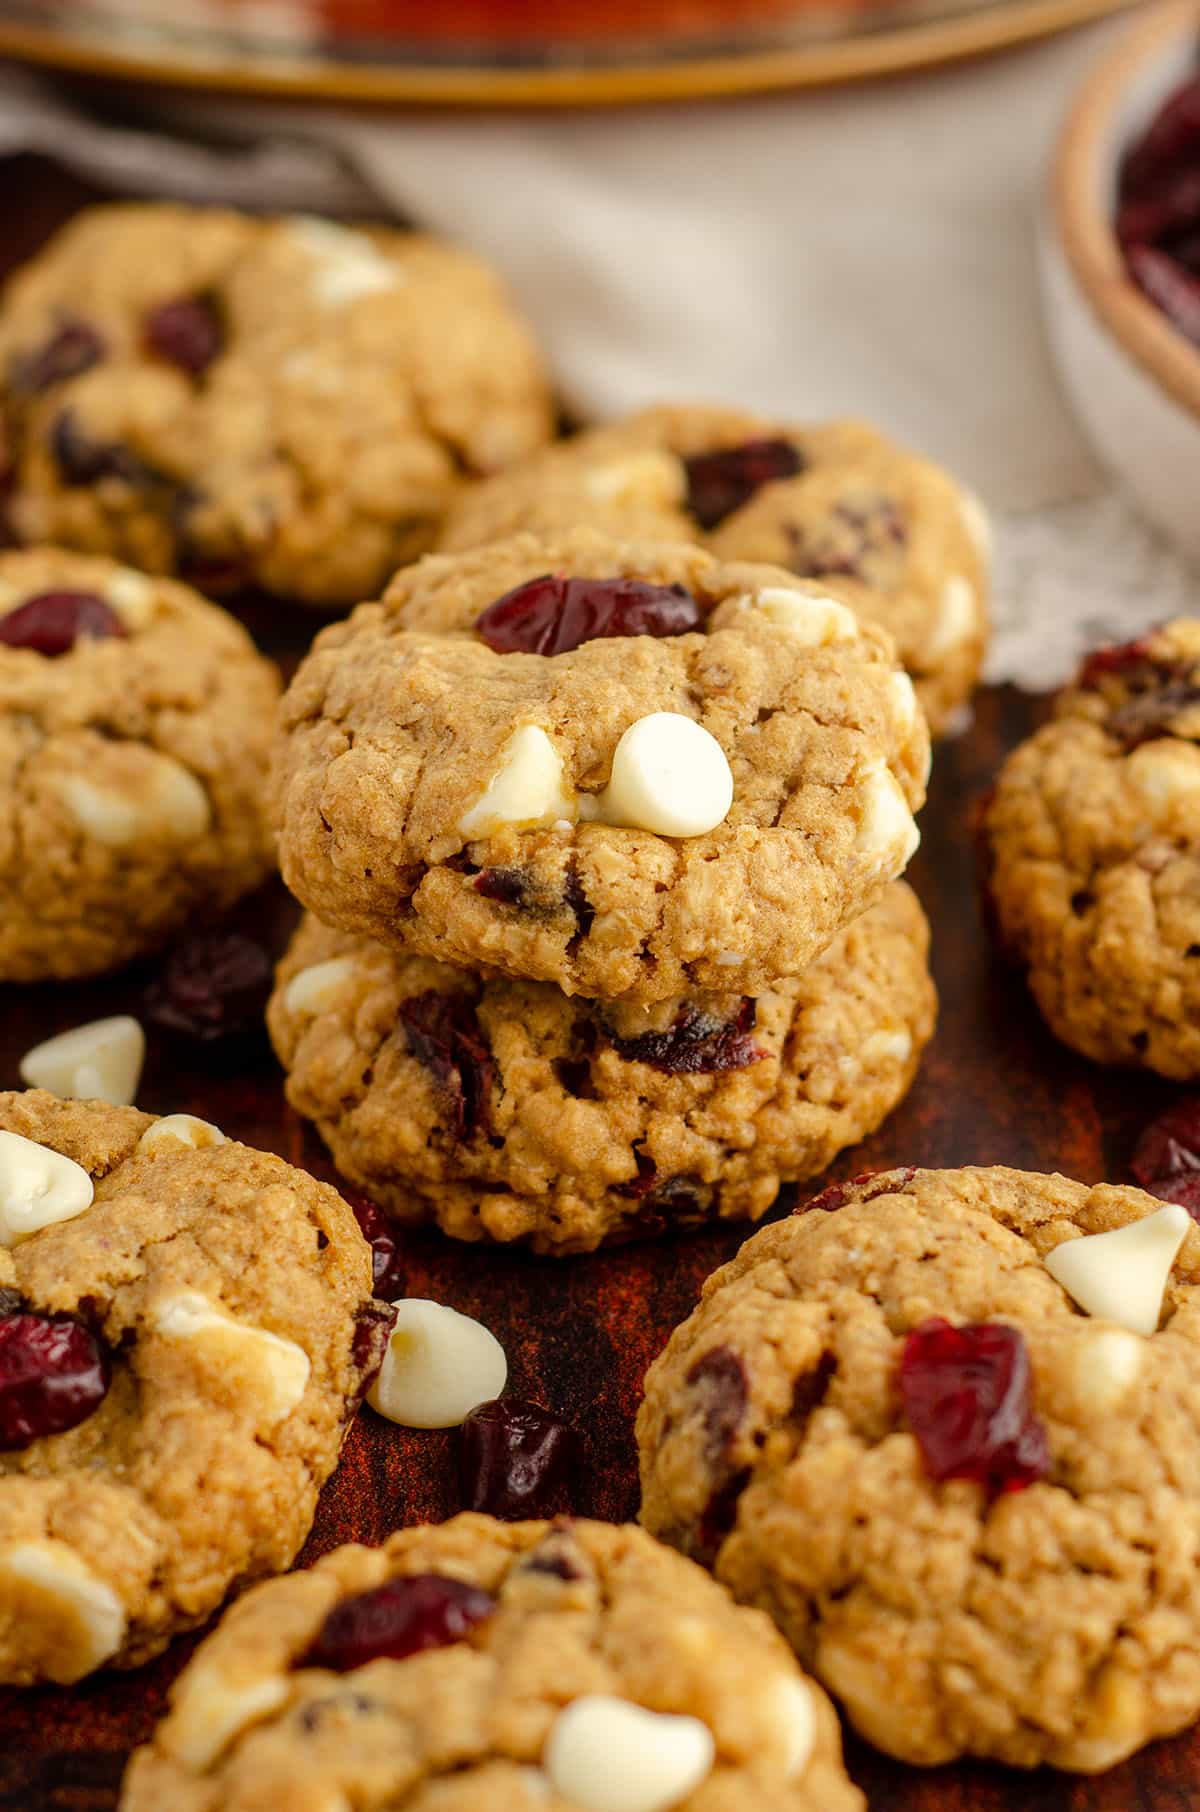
(82, 461)
(850, 537)
(213, 988)
(399, 1619)
(508, 885)
(72, 350)
(864, 1188)
(720, 1378)
(1121, 658)
(696, 1044)
(719, 483)
(1171, 288)
(515, 1459)
(53, 1375)
(444, 1034)
(554, 614)
(966, 1394)
(189, 333)
(380, 1235)
(1173, 139)
(372, 1330)
(1166, 1159)
(54, 621)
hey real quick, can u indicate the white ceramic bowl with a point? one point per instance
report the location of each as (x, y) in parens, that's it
(1133, 378)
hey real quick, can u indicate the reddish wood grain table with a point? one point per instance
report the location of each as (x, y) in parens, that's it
(580, 1333)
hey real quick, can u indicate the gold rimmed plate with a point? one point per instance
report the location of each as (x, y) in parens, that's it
(517, 53)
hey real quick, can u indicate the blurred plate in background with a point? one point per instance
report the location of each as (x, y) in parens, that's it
(516, 52)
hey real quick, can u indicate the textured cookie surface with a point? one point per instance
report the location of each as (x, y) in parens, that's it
(282, 402)
(396, 732)
(907, 544)
(227, 1298)
(1056, 1623)
(133, 762)
(574, 1612)
(504, 1110)
(1092, 840)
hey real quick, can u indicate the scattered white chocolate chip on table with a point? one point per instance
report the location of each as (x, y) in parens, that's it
(438, 1367)
(38, 1188)
(262, 1368)
(669, 775)
(606, 1754)
(77, 1616)
(100, 1061)
(527, 787)
(1121, 1275)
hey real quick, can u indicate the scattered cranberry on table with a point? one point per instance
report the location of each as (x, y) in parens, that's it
(515, 1459)
(1158, 210)
(1166, 1159)
(212, 989)
(967, 1396)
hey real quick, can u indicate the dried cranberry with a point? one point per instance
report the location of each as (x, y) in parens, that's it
(444, 1034)
(719, 1515)
(380, 1235)
(696, 1044)
(554, 614)
(967, 1395)
(719, 483)
(1120, 658)
(720, 1378)
(54, 621)
(1151, 714)
(53, 1375)
(643, 1183)
(508, 885)
(864, 1188)
(1172, 139)
(82, 461)
(1166, 1159)
(582, 908)
(212, 989)
(72, 350)
(372, 1330)
(399, 1619)
(847, 540)
(1172, 289)
(515, 1459)
(189, 333)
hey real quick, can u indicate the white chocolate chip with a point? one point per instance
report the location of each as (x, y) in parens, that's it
(347, 264)
(793, 1717)
(730, 959)
(650, 475)
(957, 620)
(1122, 1275)
(258, 1366)
(887, 832)
(1164, 771)
(438, 1367)
(605, 1754)
(38, 1188)
(210, 1709)
(315, 989)
(888, 1047)
(527, 787)
(1099, 1374)
(79, 1619)
(813, 621)
(904, 698)
(170, 802)
(978, 524)
(669, 776)
(131, 596)
(101, 1061)
(181, 1129)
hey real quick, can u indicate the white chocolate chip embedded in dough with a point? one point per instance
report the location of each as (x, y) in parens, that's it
(170, 802)
(605, 1754)
(211, 1708)
(347, 264)
(1164, 772)
(38, 1188)
(259, 1367)
(813, 621)
(131, 595)
(314, 990)
(904, 699)
(793, 1719)
(181, 1129)
(78, 1619)
(669, 776)
(887, 832)
(100, 1061)
(957, 619)
(651, 476)
(893, 1046)
(438, 1367)
(527, 787)
(1097, 1374)
(1122, 1275)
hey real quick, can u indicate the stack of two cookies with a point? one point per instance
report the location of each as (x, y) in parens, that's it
(600, 844)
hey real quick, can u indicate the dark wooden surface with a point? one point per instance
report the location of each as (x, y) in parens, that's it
(579, 1333)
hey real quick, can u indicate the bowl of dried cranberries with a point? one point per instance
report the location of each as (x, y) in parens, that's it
(1121, 263)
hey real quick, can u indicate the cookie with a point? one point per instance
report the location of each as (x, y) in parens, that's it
(285, 403)
(909, 547)
(700, 805)
(186, 1327)
(480, 1666)
(1092, 847)
(950, 1439)
(135, 729)
(504, 1110)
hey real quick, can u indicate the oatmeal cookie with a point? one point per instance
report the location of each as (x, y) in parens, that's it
(1092, 847)
(504, 1110)
(135, 729)
(909, 546)
(970, 1499)
(186, 1327)
(480, 1666)
(457, 796)
(286, 403)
